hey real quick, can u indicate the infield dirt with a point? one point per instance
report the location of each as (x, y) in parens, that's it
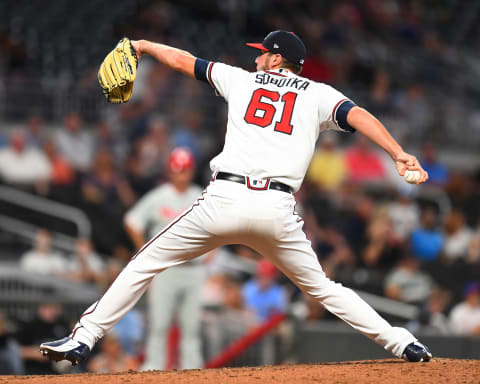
(437, 371)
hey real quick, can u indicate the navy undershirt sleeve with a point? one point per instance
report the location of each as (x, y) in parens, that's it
(201, 69)
(341, 116)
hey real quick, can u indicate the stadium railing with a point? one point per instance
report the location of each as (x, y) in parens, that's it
(45, 207)
(21, 292)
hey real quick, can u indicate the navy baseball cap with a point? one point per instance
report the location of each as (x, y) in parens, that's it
(287, 44)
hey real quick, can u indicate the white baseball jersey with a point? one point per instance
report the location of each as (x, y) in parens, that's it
(159, 207)
(274, 119)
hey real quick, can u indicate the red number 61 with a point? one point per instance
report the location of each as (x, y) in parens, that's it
(256, 104)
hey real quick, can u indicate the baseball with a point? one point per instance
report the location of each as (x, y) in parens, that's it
(411, 177)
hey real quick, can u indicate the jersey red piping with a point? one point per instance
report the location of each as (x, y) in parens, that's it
(334, 112)
(209, 77)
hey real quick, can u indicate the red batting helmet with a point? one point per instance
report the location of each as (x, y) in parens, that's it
(181, 159)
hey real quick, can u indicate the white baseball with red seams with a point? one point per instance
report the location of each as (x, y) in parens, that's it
(274, 119)
(411, 177)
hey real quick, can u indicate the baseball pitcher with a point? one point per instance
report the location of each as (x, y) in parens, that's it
(274, 119)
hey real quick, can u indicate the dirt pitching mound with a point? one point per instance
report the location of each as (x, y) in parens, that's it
(437, 371)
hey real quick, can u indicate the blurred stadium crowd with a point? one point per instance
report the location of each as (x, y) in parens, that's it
(408, 62)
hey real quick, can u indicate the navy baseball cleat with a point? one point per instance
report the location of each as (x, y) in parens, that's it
(415, 352)
(65, 349)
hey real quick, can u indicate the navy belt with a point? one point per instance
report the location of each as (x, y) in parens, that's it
(252, 184)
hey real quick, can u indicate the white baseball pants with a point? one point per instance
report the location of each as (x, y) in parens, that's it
(230, 213)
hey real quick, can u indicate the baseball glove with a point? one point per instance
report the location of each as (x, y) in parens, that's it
(118, 72)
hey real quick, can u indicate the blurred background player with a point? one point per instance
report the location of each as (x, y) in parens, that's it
(178, 290)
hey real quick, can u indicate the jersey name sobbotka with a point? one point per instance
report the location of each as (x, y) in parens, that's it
(294, 82)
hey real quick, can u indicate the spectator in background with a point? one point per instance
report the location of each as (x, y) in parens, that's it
(263, 294)
(465, 316)
(75, 142)
(105, 137)
(404, 215)
(473, 255)
(112, 358)
(308, 310)
(407, 283)
(158, 83)
(235, 311)
(416, 113)
(334, 252)
(187, 133)
(11, 362)
(22, 166)
(136, 176)
(355, 220)
(471, 205)
(364, 163)
(382, 250)
(212, 290)
(427, 241)
(62, 180)
(189, 96)
(35, 135)
(230, 320)
(42, 259)
(153, 148)
(437, 172)
(106, 195)
(84, 266)
(432, 319)
(458, 237)
(379, 100)
(460, 185)
(433, 66)
(47, 323)
(62, 172)
(328, 168)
